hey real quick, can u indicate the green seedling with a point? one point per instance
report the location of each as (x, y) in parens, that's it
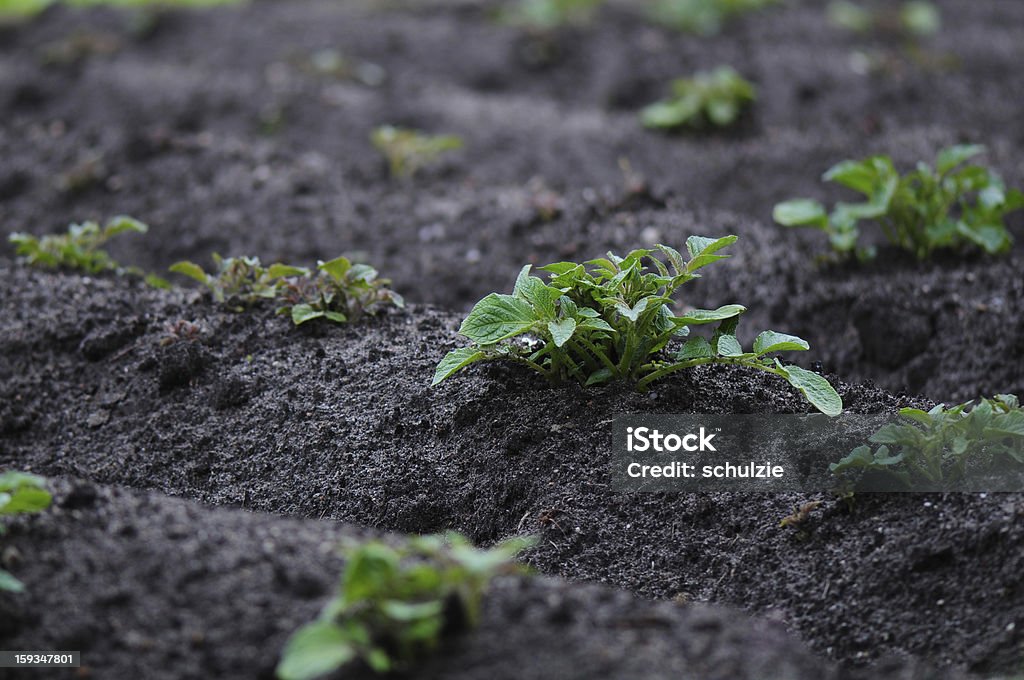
(338, 290)
(717, 97)
(20, 493)
(25, 8)
(394, 604)
(610, 319)
(408, 151)
(80, 248)
(545, 15)
(938, 447)
(704, 17)
(949, 206)
(916, 19)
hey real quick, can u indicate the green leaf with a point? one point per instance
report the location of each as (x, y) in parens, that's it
(26, 499)
(770, 341)
(860, 176)
(281, 271)
(815, 389)
(191, 270)
(411, 611)
(721, 112)
(314, 650)
(953, 156)
(632, 313)
(729, 346)
(860, 457)
(302, 312)
(695, 348)
(1006, 424)
(596, 325)
(336, 317)
(13, 480)
(882, 457)
(336, 268)
(121, 224)
(800, 212)
(10, 584)
(534, 291)
(675, 258)
(455, 361)
(701, 249)
(702, 316)
(497, 317)
(562, 330)
(599, 376)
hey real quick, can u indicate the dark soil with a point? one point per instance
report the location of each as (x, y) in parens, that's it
(339, 423)
(212, 128)
(100, 581)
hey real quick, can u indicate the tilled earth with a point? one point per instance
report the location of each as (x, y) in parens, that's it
(215, 129)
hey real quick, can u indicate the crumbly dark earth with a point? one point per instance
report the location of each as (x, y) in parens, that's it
(212, 128)
(332, 422)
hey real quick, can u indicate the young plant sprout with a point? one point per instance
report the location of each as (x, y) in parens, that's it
(20, 493)
(338, 290)
(939, 447)
(915, 19)
(704, 17)
(394, 604)
(610, 319)
(408, 151)
(717, 97)
(80, 248)
(545, 15)
(949, 206)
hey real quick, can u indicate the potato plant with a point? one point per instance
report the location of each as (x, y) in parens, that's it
(950, 205)
(610, 319)
(338, 290)
(717, 97)
(80, 248)
(917, 18)
(20, 493)
(408, 151)
(704, 17)
(939, 447)
(545, 15)
(394, 604)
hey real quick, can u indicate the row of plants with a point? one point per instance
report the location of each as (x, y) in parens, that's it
(594, 322)
(610, 318)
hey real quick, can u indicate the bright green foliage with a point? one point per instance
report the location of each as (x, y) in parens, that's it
(717, 97)
(407, 151)
(610, 319)
(948, 206)
(705, 17)
(395, 603)
(80, 248)
(20, 493)
(549, 14)
(338, 290)
(916, 18)
(939, 446)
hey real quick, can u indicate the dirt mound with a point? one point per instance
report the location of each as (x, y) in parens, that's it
(340, 423)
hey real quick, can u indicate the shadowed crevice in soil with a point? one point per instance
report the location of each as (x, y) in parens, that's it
(340, 423)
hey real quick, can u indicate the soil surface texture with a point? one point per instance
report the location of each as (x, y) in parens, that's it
(248, 451)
